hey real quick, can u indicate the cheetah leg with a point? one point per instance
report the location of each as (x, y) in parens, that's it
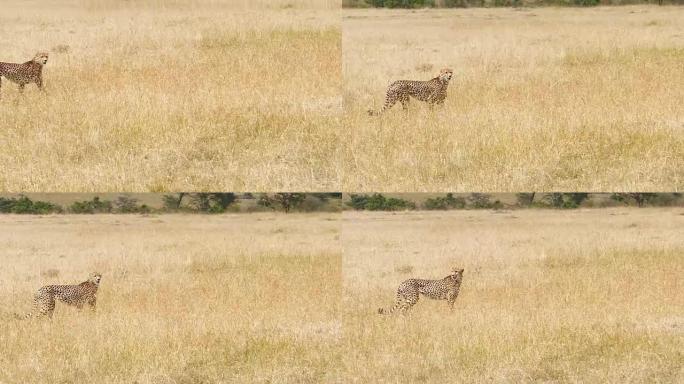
(452, 299)
(404, 102)
(39, 83)
(21, 88)
(47, 306)
(410, 299)
(91, 303)
(390, 100)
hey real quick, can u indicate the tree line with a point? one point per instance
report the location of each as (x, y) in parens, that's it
(210, 203)
(379, 202)
(215, 203)
(493, 3)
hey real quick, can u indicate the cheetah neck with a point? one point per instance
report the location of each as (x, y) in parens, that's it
(443, 83)
(91, 284)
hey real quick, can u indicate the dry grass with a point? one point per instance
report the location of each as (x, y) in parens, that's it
(176, 95)
(542, 99)
(184, 299)
(548, 296)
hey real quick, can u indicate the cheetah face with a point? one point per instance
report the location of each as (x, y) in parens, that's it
(446, 74)
(458, 273)
(41, 58)
(95, 278)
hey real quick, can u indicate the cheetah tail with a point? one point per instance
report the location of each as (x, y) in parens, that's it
(23, 317)
(383, 311)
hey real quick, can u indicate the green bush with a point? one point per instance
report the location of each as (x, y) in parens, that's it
(126, 204)
(480, 201)
(90, 207)
(282, 201)
(564, 200)
(24, 205)
(320, 202)
(647, 198)
(378, 202)
(444, 203)
(490, 3)
(402, 3)
(212, 202)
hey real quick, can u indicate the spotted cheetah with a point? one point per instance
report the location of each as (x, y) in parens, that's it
(432, 91)
(26, 73)
(75, 295)
(409, 291)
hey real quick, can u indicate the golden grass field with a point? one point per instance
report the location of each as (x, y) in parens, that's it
(172, 95)
(585, 296)
(542, 99)
(183, 299)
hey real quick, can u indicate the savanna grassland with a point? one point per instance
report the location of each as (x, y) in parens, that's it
(548, 296)
(172, 95)
(541, 99)
(183, 298)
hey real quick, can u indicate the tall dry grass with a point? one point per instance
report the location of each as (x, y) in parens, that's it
(173, 96)
(542, 99)
(547, 296)
(183, 299)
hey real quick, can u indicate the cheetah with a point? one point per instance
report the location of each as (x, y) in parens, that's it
(75, 295)
(26, 73)
(432, 91)
(409, 291)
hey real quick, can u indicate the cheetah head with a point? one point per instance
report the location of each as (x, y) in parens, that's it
(95, 278)
(458, 274)
(445, 74)
(41, 58)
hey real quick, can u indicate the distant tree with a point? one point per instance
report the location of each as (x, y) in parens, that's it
(480, 200)
(223, 200)
(575, 199)
(565, 200)
(639, 198)
(443, 203)
(554, 199)
(212, 202)
(357, 202)
(281, 201)
(327, 196)
(126, 204)
(173, 201)
(525, 199)
(91, 206)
